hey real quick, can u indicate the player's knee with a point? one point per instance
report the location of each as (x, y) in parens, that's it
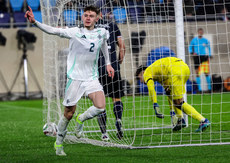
(69, 112)
(178, 103)
(118, 104)
(100, 106)
(69, 115)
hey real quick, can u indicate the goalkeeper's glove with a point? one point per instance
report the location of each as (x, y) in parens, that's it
(157, 111)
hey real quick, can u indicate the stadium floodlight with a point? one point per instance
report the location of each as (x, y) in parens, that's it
(141, 127)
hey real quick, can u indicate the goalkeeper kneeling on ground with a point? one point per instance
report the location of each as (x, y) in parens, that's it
(172, 73)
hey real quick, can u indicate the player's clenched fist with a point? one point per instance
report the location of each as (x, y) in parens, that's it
(29, 15)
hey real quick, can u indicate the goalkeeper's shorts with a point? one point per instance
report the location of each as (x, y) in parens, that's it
(75, 89)
(179, 75)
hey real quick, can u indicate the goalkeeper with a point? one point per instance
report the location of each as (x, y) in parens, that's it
(84, 44)
(172, 73)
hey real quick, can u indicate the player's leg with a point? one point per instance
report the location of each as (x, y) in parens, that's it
(205, 63)
(98, 99)
(174, 88)
(98, 107)
(175, 113)
(178, 120)
(94, 91)
(62, 129)
(102, 118)
(178, 91)
(197, 65)
(118, 110)
(208, 79)
(116, 92)
(191, 111)
(72, 94)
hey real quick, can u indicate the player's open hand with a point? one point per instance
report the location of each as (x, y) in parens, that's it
(110, 71)
(29, 15)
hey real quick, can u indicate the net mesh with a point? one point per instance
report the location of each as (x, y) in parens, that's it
(149, 31)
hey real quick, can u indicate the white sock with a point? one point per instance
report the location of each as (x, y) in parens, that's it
(90, 113)
(62, 125)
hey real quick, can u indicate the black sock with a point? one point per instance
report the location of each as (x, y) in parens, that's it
(101, 118)
(118, 109)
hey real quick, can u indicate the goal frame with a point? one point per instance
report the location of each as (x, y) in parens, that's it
(180, 46)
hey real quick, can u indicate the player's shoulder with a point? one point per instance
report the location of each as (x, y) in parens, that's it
(100, 29)
(205, 39)
(195, 38)
(148, 72)
(76, 28)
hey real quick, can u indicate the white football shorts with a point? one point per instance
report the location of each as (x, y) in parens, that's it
(75, 89)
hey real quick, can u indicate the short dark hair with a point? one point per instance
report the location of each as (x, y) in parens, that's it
(92, 8)
(140, 69)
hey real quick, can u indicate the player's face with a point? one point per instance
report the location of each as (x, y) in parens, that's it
(89, 19)
(200, 33)
(140, 76)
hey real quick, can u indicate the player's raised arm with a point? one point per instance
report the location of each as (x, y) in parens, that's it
(45, 28)
(29, 15)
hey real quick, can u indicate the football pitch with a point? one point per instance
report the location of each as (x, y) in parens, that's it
(22, 139)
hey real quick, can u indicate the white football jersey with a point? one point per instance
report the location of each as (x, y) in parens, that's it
(84, 48)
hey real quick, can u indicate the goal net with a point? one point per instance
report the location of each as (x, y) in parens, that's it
(150, 30)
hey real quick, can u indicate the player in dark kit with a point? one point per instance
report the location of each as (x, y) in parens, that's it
(112, 88)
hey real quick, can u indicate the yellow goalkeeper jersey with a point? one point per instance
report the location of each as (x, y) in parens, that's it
(170, 72)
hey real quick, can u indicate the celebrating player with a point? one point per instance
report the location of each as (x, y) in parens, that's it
(172, 73)
(82, 70)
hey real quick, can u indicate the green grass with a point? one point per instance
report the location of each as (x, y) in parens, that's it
(22, 140)
(215, 107)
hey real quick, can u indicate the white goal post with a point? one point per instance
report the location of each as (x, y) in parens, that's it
(150, 30)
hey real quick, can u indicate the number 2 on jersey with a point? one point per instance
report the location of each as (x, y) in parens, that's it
(91, 48)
